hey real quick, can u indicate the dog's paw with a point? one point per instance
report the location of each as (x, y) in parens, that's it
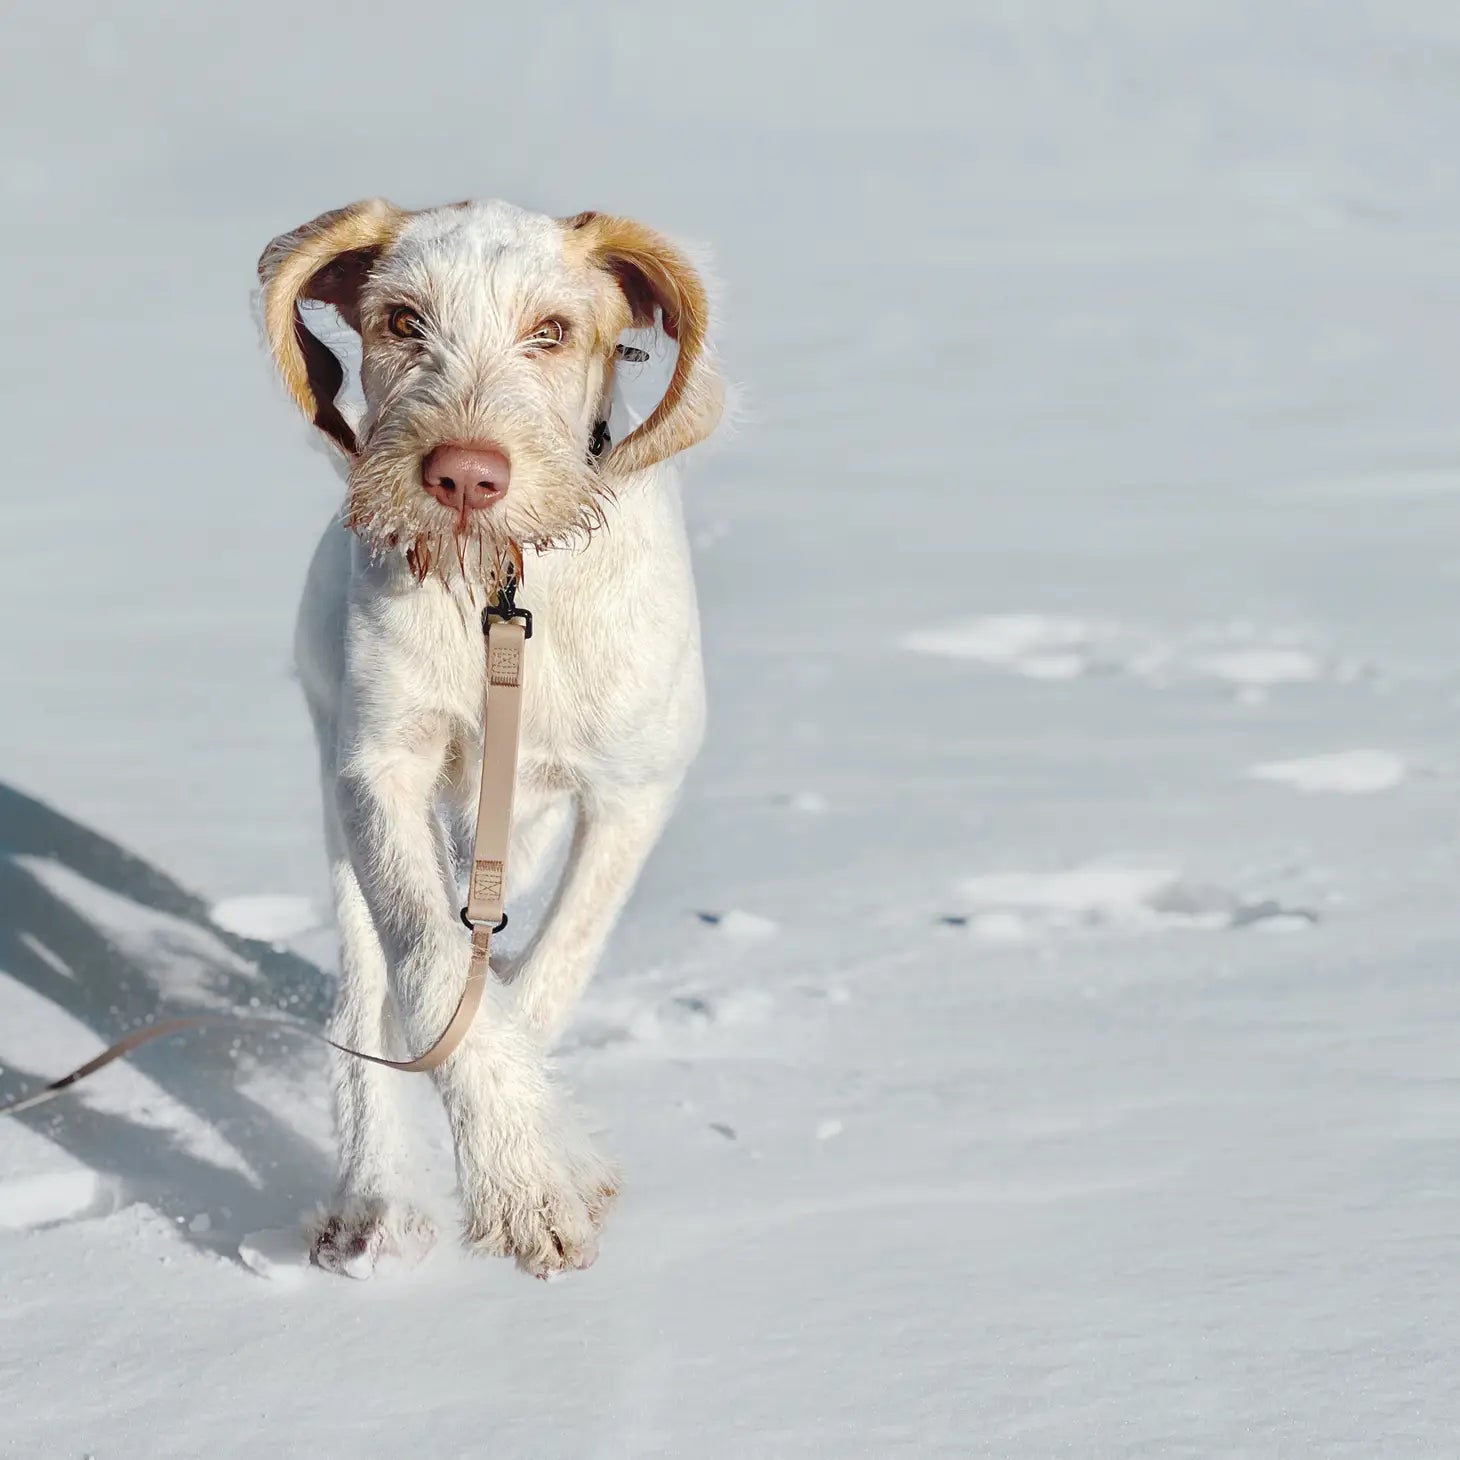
(352, 1237)
(546, 1214)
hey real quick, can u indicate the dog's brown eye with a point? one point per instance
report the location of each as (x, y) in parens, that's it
(549, 333)
(405, 323)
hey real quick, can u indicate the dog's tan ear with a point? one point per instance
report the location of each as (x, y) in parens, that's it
(652, 274)
(327, 260)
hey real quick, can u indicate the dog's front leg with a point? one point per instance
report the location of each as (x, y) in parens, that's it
(369, 1216)
(532, 1185)
(613, 836)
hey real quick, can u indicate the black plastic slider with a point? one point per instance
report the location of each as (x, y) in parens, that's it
(473, 927)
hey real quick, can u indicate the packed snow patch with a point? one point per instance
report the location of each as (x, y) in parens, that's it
(278, 1254)
(1346, 772)
(270, 918)
(1042, 646)
(1262, 667)
(1014, 907)
(36, 1201)
(1105, 891)
(1035, 645)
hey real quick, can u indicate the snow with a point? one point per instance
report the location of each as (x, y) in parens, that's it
(1088, 890)
(739, 925)
(277, 1254)
(1027, 643)
(1097, 446)
(1018, 906)
(272, 917)
(1349, 772)
(55, 1197)
(1263, 666)
(1047, 646)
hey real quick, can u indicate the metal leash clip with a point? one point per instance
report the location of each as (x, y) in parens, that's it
(504, 607)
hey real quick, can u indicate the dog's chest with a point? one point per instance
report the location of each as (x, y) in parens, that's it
(568, 699)
(590, 678)
(612, 688)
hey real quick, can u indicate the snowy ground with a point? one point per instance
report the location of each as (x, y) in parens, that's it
(1035, 1035)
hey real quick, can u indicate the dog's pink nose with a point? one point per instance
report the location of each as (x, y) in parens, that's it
(468, 475)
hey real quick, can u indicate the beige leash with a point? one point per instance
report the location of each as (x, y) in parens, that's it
(506, 630)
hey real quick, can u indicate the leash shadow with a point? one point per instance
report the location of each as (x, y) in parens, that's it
(64, 955)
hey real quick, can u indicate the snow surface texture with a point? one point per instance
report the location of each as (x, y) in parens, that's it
(1099, 446)
(1354, 772)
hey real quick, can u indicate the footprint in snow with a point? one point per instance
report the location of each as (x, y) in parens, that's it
(808, 803)
(740, 927)
(1054, 647)
(700, 1011)
(279, 1254)
(673, 1020)
(1022, 907)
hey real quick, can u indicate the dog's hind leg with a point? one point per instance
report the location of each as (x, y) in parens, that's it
(539, 820)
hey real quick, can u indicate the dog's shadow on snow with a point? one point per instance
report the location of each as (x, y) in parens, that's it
(61, 954)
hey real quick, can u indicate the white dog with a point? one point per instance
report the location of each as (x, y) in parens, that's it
(489, 339)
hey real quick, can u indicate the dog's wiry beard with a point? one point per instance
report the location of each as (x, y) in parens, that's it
(554, 501)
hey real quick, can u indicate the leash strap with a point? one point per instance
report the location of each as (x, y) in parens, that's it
(506, 630)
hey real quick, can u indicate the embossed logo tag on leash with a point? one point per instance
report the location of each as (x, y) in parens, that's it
(506, 629)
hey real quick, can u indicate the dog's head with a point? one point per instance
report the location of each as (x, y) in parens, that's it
(488, 339)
